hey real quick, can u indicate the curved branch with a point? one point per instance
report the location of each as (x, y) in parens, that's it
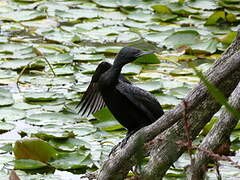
(217, 136)
(201, 107)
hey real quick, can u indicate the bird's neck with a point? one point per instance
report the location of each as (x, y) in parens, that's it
(115, 71)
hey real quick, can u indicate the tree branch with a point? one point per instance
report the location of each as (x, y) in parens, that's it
(217, 136)
(225, 75)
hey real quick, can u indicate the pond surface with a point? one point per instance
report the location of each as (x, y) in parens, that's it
(49, 51)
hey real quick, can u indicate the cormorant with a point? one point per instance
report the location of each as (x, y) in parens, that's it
(133, 107)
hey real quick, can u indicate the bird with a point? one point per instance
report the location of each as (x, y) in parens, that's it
(131, 106)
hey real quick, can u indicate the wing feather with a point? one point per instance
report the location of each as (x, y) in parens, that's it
(92, 100)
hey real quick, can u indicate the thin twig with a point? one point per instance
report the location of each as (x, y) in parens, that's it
(20, 75)
(40, 54)
(219, 177)
(185, 144)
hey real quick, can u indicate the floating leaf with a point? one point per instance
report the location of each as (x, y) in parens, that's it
(106, 3)
(88, 57)
(179, 92)
(109, 49)
(228, 38)
(182, 38)
(7, 74)
(70, 144)
(128, 37)
(131, 69)
(106, 120)
(151, 86)
(35, 149)
(4, 127)
(209, 46)
(75, 160)
(52, 133)
(203, 4)
(11, 114)
(21, 63)
(168, 101)
(140, 16)
(25, 164)
(41, 96)
(215, 17)
(51, 118)
(148, 59)
(6, 97)
(182, 72)
(63, 70)
(60, 59)
(164, 13)
(22, 15)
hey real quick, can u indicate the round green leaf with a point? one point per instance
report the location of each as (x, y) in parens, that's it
(35, 149)
(75, 160)
(11, 114)
(182, 38)
(25, 164)
(6, 97)
(4, 127)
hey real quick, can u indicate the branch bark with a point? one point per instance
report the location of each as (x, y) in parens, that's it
(225, 75)
(216, 137)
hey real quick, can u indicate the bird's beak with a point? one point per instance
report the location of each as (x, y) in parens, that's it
(142, 53)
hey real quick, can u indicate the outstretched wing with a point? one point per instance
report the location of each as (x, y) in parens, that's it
(92, 100)
(142, 99)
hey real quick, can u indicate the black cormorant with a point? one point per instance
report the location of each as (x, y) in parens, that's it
(133, 107)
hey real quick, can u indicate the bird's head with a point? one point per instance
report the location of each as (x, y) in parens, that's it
(129, 54)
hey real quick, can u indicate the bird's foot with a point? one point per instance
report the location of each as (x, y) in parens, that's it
(114, 149)
(119, 145)
(122, 143)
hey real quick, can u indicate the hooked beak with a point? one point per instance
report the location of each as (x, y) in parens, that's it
(142, 53)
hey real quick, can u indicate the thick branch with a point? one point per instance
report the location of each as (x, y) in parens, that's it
(217, 136)
(224, 75)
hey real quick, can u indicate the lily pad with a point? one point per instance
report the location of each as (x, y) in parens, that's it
(74, 160)
(51, 118)
(5, 127)
(109, 49)
(151, 86)
(7, 74)
(106, 120)
(131, 69)
(209, 46)
(164, 13)
(204, 4)
(11, 114)
(168, 101)
(41, 96)
(22, 15)
(63, 70)
(21, 63)
(70, 144)
(148, 59)
(25, 164)
(179, 92)
(6, 97)
(60, 59)
(182, 38)
(88, 57)
(35, 149)
(47, 134)
(216, 17)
